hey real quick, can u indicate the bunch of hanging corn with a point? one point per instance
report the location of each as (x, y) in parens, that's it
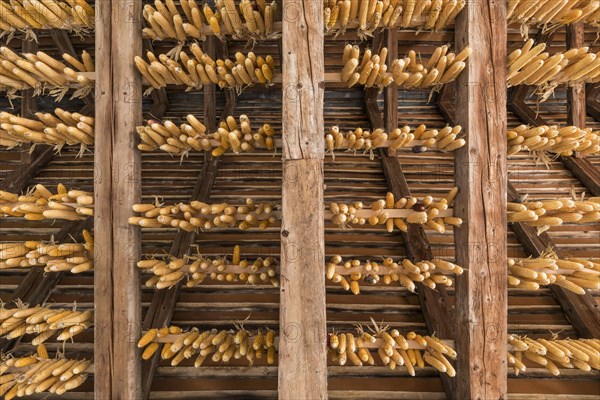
(573, 274)
(530, 65)
(67, 129)
(246, 19)
(546, 213)
(167, 273)
(552, 139)
(230, 136)
(26, 15)
(53, 257)
(553, 13)
(39, 204)
(442, 67)
(368, 15)
(583, 354)
(43, 321)
(40, 70)
(224, 345)
(393, 349)
(201, 69)
(433, 214)
(26, 376)
(199, 215)
(420, 139)
(349, 273)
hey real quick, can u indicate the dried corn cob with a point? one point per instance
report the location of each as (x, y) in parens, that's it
(218, 346)
(397, 214)
(552, 14)
(43, 321)
(199, 215)
(553, 139)
(39, 204)
(349, 273)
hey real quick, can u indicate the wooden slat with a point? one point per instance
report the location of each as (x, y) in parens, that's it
(302, 317)
(576, 93)
(117, 185)
(581, 310)
(480, 170)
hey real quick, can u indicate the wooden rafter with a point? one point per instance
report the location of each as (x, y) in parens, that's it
(160, 100)
(581, 310)
(302, 310)
(163, 302)
(480, 308)
(434, 303)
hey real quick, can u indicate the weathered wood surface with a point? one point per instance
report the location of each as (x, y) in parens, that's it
(576, 93)
(302, 320)
(117, 186)
(480, 174)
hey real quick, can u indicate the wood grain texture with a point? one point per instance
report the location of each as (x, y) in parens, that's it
(302, 319)
(303, 83)
(480, 173)
(576, 93)
(581, 310)
(117, 186)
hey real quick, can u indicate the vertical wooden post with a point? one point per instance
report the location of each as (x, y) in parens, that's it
(576, 93)
(116, 187)
(481, 176)
(302, 348)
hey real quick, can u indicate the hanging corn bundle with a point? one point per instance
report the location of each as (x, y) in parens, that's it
(530, 65)
(573, 274)
(367, 16)
(349, 273)
(407, 73)
(420, 139)
(42, 73)
(552, 14)
(53, 257)
(582, 354)
(67, 129)
(246, 19)
(27, 15)
(199, 215)
(547, 213)
(39, 204)
(407, 210)
(230, 136)
(224, 345)
(552, 139)
(391, 348)
(44, 322)
(195, 269)
(201, 69)
(29, 375)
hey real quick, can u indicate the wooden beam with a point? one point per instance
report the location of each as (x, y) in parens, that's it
(160, 100)
(302, 319)
(163, 302)
(581, 310)
(117, 186)
(434, 303)
(576, 93)
(23, 174)
(480, 173)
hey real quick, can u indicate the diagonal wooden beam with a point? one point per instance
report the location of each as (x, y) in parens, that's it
(434, 303)
(581, 310)
(163, 302)
(160, 100)
(37, 285)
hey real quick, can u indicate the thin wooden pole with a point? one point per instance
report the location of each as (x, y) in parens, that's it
(117, 186)
(481, 176)
(302, 350)
(576, 93)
